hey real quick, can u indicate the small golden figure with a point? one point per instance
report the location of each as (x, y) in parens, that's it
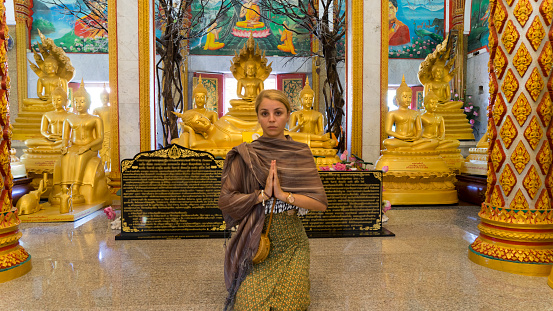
(408, 127)
(307, 120)
(212, 36)
(286, 36)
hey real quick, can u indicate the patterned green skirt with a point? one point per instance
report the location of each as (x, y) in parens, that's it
(281, 282)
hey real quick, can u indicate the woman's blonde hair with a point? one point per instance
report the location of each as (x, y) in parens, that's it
(272, 95)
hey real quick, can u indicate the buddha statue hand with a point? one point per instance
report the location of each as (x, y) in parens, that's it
(84, 149)
(64, 150)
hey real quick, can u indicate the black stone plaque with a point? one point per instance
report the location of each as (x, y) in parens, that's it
(354, 206)
(171, 193)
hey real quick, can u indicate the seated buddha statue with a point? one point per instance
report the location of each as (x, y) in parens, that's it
(439, 85)
(47, 82)
(51, 126)
(408, 127)
(79, 164)
(104, 113)
(250, 11)
(250, 86)
(228, 131)
(433, 125)
(200, 100)
(307, 120)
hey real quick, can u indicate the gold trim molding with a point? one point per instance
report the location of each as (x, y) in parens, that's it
(357, 77)
(115, 173)
(144, 72)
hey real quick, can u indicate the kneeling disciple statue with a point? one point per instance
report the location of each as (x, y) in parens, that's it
(79, 175)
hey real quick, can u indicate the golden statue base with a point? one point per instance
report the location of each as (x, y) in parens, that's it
(457, 125)
(27, 125)
(477, 162)
(242, 110)
(51, 213)
(14, 260)
(453, 159)
(514, 241)
(417, 178)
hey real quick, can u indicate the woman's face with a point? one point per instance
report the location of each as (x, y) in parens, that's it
(273, 117)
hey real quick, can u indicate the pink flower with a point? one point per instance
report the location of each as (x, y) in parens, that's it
(408, 50)
(109, 213)
(385, 169)
(397, 54)
(471, 107)
(340, 167)
(352, 159)
(418, 52)
(344, 155)
(413, 46)
(411, 55)
(467, 109)
(387, 206)
(324, 168)
(471, 121)
(475, 114)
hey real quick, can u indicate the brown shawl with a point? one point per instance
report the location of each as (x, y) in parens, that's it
(244, 174)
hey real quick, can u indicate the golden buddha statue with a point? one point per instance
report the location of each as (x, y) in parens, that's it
(54, 71)
(417, 174)
(200, 100)
(51, 125)
(104, 113)
(250, 11)
(408, 127)
(250, 69)
(433, 127)
(307, 120)
(229, 131)
(435, 73)
(79, 174)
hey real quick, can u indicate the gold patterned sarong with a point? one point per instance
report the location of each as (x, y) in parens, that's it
(281, 282)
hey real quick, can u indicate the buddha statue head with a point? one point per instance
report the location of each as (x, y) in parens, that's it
(81, 99)
(250, 68)
(104, 96)
(431, 101)
(438, 70)
(404, 94)
(200, 94)
(59, 98)
(307, 95)
(50, 65)
(197, 121)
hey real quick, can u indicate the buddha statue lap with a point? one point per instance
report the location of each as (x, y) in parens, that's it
(307, 120)
(104, 113)
(435, 73)
(417, 174)
(250, 11)
(250, 69)
(434, 128)
(79, 176)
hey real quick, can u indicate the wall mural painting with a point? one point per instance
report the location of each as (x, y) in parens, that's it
(478, 37)
(246, 16)
(416, 27)
(72, 33)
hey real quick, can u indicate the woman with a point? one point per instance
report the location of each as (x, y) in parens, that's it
(274, 167)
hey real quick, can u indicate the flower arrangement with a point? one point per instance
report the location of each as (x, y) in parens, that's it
(353, 163)
(110, 213)
(471, 111)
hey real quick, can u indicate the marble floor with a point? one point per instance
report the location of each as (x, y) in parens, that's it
(79, 266)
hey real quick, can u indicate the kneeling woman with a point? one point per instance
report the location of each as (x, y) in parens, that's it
(273, 167)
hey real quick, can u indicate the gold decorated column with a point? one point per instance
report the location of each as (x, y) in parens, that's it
(516, 228)
(14, 260)
(24, 20)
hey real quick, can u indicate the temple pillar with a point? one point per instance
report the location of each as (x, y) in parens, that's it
(516, 228)
(14, 259)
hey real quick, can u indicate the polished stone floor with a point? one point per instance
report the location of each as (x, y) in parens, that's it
(424, 267)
